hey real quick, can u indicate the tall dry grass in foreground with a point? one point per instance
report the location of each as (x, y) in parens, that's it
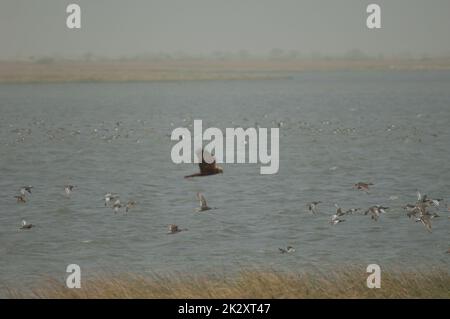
(253, 284)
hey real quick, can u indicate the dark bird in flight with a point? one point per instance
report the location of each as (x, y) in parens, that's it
(429, 201)
(287, 250)
(376, 211)
(207, 165)
(336, 218)
(21, 198)
(131, 204)
(425, 219)
(173, 229)
(363, 186)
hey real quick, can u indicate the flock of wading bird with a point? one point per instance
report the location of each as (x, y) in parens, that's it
(423, 210)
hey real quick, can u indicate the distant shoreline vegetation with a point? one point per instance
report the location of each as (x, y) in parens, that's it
(179, 68)
(345, 282)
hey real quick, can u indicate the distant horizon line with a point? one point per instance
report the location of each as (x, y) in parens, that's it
(279, 55)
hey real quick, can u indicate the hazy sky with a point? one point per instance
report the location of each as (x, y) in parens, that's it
(130, 27)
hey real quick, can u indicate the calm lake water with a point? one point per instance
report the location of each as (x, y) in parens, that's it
(337, 128)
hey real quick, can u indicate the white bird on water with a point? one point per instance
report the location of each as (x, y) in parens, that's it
(312, 207)
(335, 219)
(68, 189)
(203, 205)
(109, 197)
(25, 189)
(116, 206)
(25, 225)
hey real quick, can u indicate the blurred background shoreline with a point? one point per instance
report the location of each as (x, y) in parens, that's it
(168, 68)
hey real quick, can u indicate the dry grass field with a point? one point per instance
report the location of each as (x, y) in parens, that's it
(345, 283)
